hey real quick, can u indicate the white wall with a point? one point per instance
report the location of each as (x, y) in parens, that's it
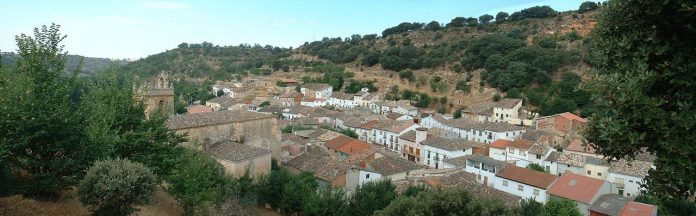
(631, 184)
(480, 174)
(437, 155)
(366, 176)
(527, 190)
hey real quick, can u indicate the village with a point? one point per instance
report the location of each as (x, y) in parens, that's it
(493, 149)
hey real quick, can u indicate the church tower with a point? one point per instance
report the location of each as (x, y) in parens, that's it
(160, 96)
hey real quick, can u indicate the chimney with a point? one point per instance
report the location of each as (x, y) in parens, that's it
(421, 134)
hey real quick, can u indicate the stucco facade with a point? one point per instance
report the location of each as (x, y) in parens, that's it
(257, 166)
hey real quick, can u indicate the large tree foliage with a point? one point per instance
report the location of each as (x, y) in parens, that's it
(454, 201)
(327, 201)
(644, 89)
(112, 187)
(198, 182)
(42, 133)
(372, 196)
(559, 206)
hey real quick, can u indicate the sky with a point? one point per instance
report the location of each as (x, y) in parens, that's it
(132, 29)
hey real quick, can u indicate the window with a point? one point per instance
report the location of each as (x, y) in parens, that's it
(538, 157)
(599, 174)
(367, 176)
(505, 183)
(568, 165)
(630, 181)
(520, 188)
(589, 172)
(536, 192)
(428, 162)
(511, 150)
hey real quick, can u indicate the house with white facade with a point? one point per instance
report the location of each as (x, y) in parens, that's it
(486, 132)
(507, 110)
(314, 102)
(386, 107)
(387, 166)
(438, 149)
(627, 176)
(317, 91)
(558, 163)
(364, 98)
(482, 166)
(342, 100)
(234, 90)
(387, 132)
(524, 182)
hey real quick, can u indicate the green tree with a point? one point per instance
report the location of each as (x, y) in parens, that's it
(647, 63)
(41, 131)
(530, 207)
(297, 192)
(349, 133)
(536, 167)
(272, 185)
(198, 182)
(112, 187)
(485, 19)
(457, 114)
(451, 201)
(587, 6)
(560, 206)
(501, 17)
(372, 196)
(496, 97)
(327, 201)
(433, 26)
(457, 22)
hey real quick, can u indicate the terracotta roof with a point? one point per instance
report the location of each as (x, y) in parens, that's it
(508, 103)
(576, 187)
(577, 146)
(456, 161)
(342, 96)
(571, 116)
(323, 168)
(468, 182)
(638, 209)
(527, 176)
(482, 109)
(369, 124)
(609, 204)
(633, 168)
(213, 118)
(338, 142)
(448, 144)
(410, 136)
(394, 115)
(225, 101)
(389, 165)
(198, 109)
(355, 147)
(567, 158)
(498, 126)
(500, 143)
(521, 144)
(235, 152)
(394, 126)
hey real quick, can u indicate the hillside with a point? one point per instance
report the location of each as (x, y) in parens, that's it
(537, 54)
(90, 65)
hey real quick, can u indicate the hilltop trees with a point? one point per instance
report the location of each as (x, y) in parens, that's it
(533, 12)
(42, 133)
(501, 16)
(644, 90)
(112, 187)
(485, 19)
(587, 6)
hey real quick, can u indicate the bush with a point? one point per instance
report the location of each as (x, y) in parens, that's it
(496, 97)
(112, 187)
(587, 6)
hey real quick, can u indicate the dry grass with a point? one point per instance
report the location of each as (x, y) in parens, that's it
(68, 204)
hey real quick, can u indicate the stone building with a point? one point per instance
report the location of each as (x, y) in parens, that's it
(246, 127)
(237, 158)
(160, 96)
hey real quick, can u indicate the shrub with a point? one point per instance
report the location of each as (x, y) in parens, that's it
(112, 187)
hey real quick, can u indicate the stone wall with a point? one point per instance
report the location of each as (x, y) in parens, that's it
(257, 166)
(262, 133)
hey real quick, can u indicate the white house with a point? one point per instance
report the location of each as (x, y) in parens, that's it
(364, 98)
(483, 166)
(317, 102)
(507, 110)
(437, 149)
(523, 182)
(317, 91)
(387, 166)
(486, 132)
(627, 177)
(560, 162)
(387, 133)
(342, 100)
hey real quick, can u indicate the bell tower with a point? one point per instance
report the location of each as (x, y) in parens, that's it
(160, 96)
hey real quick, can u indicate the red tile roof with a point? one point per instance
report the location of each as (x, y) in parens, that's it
(198, 109)
(338, 142)
(354, 147)
(501, 143)
(369, 124)
(577, 146)
(571, 116)
(527, 176)
(638, 209)
(576, 187)
(521, 144)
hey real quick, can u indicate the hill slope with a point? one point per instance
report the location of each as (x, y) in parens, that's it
(90, 65)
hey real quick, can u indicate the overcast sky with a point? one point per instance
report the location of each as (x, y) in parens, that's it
(138, 28)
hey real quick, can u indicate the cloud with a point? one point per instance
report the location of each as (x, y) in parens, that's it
(166, 5)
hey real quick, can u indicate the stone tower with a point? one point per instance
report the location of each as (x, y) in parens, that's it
(160, 96)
